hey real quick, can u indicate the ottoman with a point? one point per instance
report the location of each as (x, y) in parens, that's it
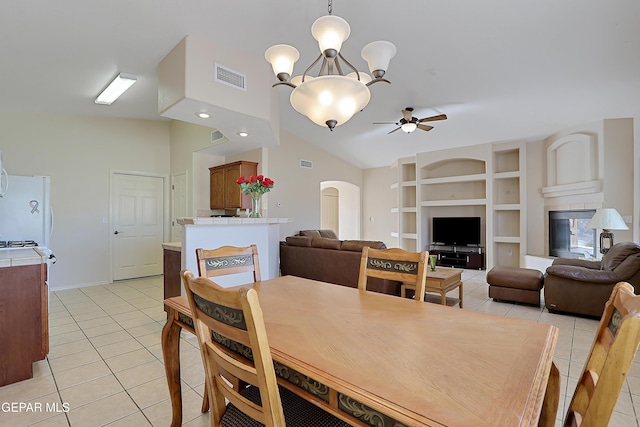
(515, 284)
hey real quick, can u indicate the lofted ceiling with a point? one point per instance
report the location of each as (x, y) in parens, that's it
(500, 69)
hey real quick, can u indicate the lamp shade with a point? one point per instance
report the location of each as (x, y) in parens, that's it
(364, 77)
(607, 219)
(378, 54)
(331, 97)
(330, 31)
(282, 57)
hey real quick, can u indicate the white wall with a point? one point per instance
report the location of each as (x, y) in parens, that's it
(377, 201)
(79, 153)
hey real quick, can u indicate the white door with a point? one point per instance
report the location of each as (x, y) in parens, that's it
(138, 226)
(179, 188)
(330, 218)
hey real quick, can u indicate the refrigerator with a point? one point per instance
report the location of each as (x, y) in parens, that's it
(25, 210)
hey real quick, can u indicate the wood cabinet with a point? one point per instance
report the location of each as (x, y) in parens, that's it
(24, 328)
(225, 193)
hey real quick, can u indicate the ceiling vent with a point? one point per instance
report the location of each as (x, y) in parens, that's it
(217, 138)
(228, 77)
(306, 164)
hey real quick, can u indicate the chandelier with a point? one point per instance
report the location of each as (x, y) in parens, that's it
(330, 98)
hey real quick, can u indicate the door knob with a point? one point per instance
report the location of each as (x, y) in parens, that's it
(117, 232)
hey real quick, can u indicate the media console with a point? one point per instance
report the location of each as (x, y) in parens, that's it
(459, 256)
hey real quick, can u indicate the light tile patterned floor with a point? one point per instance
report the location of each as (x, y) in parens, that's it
(105, 359)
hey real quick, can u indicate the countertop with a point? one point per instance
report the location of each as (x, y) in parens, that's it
(13, 257)
(172, 246)
(231, 221)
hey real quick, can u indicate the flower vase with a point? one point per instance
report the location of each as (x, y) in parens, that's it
(255, 206)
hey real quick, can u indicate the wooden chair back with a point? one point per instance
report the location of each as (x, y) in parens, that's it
(228, 260)
(394, 264)
(232, 337)
(608, 364)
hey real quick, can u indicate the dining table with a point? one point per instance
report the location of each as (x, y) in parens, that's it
(379, 360)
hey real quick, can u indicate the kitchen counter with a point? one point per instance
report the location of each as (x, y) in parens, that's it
(230, 221)
(13, 257)
(172, 246)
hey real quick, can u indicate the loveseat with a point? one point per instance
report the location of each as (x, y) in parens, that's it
(583, 287)
(319, 255)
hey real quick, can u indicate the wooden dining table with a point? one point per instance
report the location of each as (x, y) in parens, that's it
(376, 359)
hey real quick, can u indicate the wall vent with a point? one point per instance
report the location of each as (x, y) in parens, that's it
(228, 77)
(217, 137)
(307, 164)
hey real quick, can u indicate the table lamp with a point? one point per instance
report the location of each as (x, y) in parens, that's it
(607, 219)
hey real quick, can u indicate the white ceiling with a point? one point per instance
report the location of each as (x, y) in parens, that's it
(500, 69)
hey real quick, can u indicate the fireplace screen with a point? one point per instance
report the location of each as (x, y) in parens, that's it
(569, 236)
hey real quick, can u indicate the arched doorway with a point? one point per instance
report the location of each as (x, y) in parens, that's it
(330, 207)
(348, 209)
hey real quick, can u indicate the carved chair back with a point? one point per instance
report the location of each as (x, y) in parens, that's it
(232, 337)
(228, 260)
(608, 364)
(394, 264)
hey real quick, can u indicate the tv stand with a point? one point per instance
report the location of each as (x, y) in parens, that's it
(459, 256)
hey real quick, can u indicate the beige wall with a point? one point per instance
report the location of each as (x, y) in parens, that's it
(377, 201)
(79, 154)
(298, 189)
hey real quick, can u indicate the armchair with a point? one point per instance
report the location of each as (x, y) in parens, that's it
(583, 287)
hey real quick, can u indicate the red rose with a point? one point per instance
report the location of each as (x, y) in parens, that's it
(265, 183)
(269, 181)
(240, 180)
(252, 178)
(260, 177)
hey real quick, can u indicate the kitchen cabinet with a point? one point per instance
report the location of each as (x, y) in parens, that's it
(24, 323)
(225, 192)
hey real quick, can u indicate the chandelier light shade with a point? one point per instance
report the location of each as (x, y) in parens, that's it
(330, 97)
(607, 219)
(409, 127)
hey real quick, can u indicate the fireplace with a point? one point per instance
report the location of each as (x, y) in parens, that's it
(569, 236)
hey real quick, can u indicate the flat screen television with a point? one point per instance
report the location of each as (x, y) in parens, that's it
(458, 231)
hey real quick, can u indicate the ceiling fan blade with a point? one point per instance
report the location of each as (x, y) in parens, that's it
(425, 127)
(393, 130)
(385, 123)
(407, 114)
(433, 118)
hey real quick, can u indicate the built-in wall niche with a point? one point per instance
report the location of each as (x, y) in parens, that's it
(409, 225)
(506, 191)
(466, 190)
(408, 196)
(408, 244)
(453, 168)
(506, 161)
(572, 166)
(506, 224)
(408, 172)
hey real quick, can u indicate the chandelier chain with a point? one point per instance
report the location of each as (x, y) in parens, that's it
(330, 7)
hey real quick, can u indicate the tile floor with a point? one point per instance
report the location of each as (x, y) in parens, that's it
(105, 359)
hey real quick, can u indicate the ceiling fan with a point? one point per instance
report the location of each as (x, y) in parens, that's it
(408, 123)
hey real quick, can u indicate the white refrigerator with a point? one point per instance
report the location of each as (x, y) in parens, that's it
(25, 210)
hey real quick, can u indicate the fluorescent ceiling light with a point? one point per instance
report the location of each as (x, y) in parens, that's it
(117, 87)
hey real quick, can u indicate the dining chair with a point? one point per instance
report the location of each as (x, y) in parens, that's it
(394, 264)
(232, 338)
(228, 260)
(608, 363)
(211, 263)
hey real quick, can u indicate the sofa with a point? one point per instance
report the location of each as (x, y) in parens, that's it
(582, 287)
(319, 255)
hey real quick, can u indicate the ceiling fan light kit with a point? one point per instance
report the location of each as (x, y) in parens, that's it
(408, 123)
(331, 98)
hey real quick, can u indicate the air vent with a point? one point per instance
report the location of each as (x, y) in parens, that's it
(231, 78)
(217, 138)
(307, 164)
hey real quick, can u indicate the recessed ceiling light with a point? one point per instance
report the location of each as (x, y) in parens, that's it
(203, 115)
(243, 134)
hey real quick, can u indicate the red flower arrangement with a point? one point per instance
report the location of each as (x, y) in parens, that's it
(256, 186)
